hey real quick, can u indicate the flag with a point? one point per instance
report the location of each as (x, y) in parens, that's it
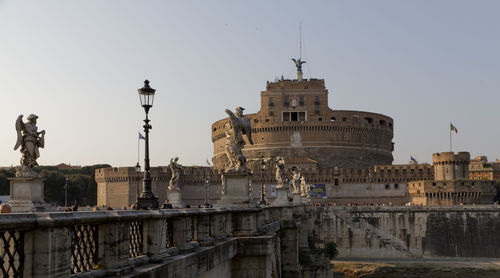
(413, 159)
(208, 162)
(453, 128)
(141, 137)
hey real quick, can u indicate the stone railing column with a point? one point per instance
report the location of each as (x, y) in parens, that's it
(114, 240)
(51, 252)
(155, 239)
(245, 224)
(203, 229)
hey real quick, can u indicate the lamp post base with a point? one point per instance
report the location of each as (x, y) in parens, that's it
(147, 200)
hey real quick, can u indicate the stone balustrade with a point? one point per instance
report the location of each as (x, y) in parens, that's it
(127, 243)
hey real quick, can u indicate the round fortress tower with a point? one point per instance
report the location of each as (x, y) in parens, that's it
(295, 122)
(450, 165)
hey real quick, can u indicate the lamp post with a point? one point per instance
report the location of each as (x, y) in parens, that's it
(263, 186)
(66, 193)
(147, 199)
(206, 193)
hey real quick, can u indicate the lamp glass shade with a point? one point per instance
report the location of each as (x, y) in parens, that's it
(146, 95)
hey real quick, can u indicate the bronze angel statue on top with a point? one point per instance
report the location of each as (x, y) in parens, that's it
(238, 125)
(30, 140)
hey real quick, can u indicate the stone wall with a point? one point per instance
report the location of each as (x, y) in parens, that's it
(394, 232)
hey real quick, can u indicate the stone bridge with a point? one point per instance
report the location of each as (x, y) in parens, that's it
(250, 242)
(286, 241)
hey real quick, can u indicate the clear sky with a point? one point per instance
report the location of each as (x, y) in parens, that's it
(78, 64)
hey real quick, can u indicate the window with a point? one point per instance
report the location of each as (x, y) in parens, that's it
(356, 119)
(387, 186)
(336, 182)
(396, 186)
(285, 101)
(286, 116)
(382, 122)
(294, 116)
(294, 103)
(271, 102)
(344, 119)
(316, 100)
(271, 111)
(368, 121)
(301, 100)
(332, 119)
(316, 110)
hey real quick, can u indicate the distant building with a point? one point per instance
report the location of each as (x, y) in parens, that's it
(451, 184)
(481, 169)
(295, 122)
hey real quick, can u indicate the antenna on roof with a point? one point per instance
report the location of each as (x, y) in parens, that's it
(300, 40)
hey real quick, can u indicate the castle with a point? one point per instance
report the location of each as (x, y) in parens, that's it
(346, 157)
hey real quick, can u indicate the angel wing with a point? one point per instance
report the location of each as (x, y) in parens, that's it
(19, 129)
(233, 121)
(247, 129)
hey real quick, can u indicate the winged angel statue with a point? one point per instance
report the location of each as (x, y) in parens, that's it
(238, 125)
(30, 140)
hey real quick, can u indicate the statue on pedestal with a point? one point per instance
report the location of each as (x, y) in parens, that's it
(238, 125)
(30, 140)
(296, 176)
(304, 188)
(175, 168)
(280, 172)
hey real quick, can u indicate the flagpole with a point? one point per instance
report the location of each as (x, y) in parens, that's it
(450, 138)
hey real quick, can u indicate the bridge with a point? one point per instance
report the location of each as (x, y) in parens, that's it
(247, 242)
(276, 241)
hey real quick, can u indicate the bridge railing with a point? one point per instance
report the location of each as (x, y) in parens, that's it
(112, 242)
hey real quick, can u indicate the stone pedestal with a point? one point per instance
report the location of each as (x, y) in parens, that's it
(306, 200)
(281, 197)
(297, 199)
(236, 190)
(174, 197)
(26, 195)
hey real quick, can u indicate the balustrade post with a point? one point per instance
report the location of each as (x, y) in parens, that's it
(51, 252)
(179, 233)
(155, 233)
(245, 223)
(114, 240)
(203, 230)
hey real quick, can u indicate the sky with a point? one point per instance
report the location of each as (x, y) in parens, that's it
(78, 65)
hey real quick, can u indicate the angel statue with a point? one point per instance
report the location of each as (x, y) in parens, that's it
(30, 140)
(238, 125)
(298, 64)
(175, 168)
(296, 179)
(304, 188)
(280, 172)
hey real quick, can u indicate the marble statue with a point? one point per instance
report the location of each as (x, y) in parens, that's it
(296, 176)
(30, 140)
(175, 169)
(238, 125)
(304, 188)
(280, 172)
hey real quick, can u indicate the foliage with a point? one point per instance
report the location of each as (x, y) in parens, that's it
(331, 250)
(82, 187)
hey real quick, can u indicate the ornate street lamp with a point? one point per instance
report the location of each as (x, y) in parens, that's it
(147, 199)
(137, 167)
(206, 193)
(263, 186)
